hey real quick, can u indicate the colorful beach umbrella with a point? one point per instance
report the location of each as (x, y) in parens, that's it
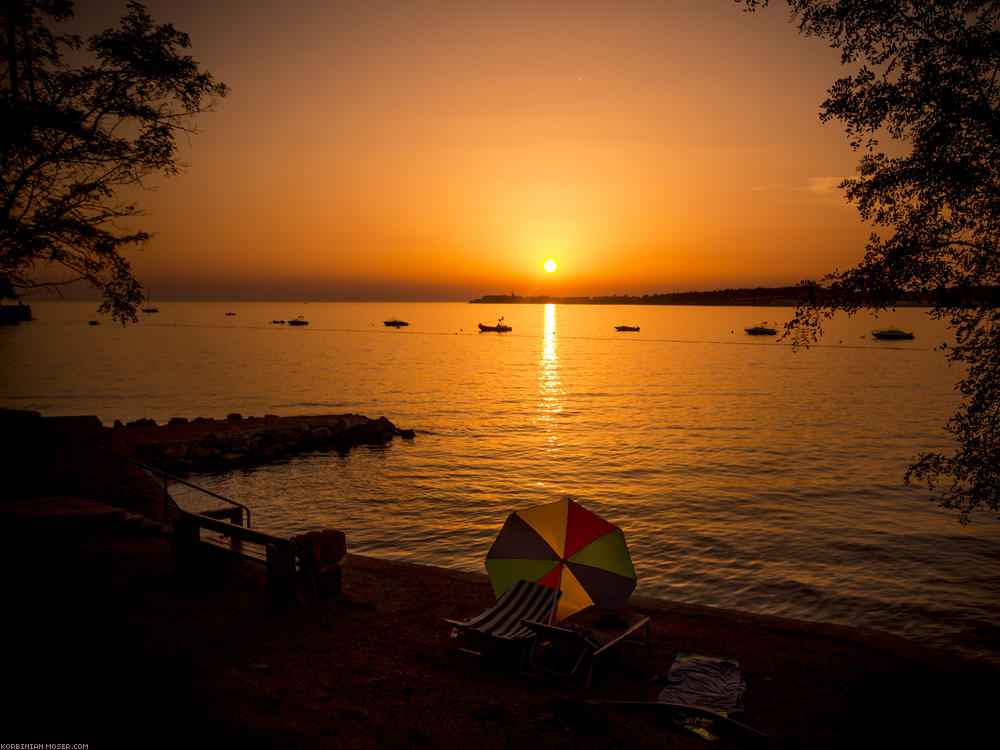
(565, 546)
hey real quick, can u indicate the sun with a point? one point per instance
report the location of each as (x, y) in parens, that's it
(550, 265)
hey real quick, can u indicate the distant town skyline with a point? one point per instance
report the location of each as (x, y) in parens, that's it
(444, 150)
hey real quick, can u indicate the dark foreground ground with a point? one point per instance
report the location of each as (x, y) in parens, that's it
(104, 646)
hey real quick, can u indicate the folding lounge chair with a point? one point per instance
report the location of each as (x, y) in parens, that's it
(567, 652)
(501, 623)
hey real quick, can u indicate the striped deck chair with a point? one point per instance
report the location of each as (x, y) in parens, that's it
(501, 623)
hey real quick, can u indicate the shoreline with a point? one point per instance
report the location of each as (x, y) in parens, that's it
(785, 296)
(897, 646)
(115, 650)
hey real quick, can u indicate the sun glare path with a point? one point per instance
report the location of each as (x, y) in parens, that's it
(550, 265)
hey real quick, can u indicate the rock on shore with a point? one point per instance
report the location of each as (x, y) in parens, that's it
(209, 445)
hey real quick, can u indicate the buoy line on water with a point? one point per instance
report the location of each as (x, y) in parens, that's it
(562, 337)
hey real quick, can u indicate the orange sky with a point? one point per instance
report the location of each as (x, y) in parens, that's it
(443, 149)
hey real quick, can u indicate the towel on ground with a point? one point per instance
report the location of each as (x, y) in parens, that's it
(711, 683)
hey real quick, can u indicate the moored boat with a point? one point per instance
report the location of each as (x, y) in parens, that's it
(149, 305)
(626, 328)
(299, 321)
(395, 323)
(500, 327)
(761, 330)
(892, 334)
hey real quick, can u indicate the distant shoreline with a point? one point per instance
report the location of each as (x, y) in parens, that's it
(785, 296)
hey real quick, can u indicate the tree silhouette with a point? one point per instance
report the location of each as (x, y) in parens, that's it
(925, 78)
(79, 121)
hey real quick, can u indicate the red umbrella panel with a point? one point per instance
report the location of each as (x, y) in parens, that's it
(565, 546)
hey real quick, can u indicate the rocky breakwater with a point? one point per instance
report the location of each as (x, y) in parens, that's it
(211, 445)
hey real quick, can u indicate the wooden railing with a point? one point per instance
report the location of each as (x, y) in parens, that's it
(194, 530)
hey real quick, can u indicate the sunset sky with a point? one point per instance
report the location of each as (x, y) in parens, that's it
(444, 149)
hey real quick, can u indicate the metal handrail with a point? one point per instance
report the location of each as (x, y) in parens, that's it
(241, 533)
(165, 476)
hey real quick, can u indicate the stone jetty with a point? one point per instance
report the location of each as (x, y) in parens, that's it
(184, 446)
(37, 451)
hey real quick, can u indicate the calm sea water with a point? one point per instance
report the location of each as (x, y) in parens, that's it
(745, 475)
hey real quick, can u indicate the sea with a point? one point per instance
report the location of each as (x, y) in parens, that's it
(746, 474)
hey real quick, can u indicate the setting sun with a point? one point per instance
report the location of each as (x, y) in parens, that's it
(550, 266)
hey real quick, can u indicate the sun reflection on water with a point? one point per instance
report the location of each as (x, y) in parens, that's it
(549, 382)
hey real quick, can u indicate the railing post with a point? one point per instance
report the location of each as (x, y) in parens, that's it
(280, 573)
(67, 469)
(186, 537)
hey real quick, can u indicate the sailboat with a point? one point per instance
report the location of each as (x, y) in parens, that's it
(149, 307)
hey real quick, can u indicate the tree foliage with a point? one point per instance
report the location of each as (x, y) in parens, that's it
(79, 122)
(925, 80)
